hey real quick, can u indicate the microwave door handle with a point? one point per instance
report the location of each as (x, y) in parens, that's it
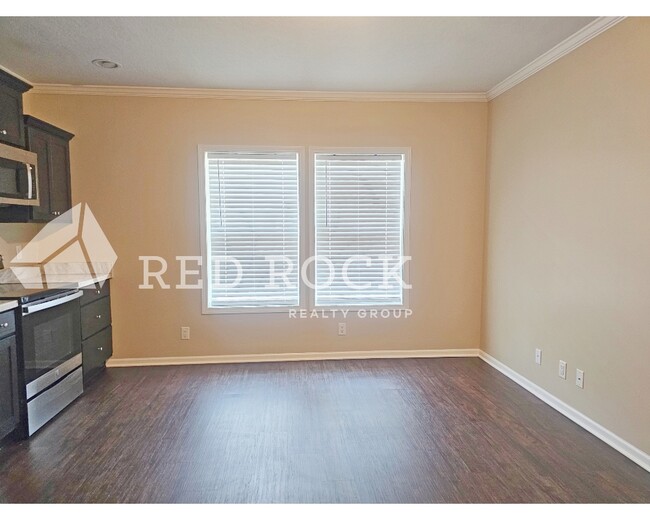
(36, 307)
(30, 186)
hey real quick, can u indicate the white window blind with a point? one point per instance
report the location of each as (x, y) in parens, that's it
(252, 202)
(359, 211)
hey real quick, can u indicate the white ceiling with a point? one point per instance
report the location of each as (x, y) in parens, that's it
(337, 54)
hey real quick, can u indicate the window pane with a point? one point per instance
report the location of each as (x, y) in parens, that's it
(252, 214)
(359, 213)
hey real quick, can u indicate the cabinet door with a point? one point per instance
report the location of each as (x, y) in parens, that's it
(95, 317)
(9, 411)
(96, 350)
(59, 175)
(38, 143)
(11, 116)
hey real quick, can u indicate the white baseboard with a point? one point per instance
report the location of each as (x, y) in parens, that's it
(299, 356)
(631, 452)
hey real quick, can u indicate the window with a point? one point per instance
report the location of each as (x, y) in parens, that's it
(252, 227)
(255, 246)
(359, 206)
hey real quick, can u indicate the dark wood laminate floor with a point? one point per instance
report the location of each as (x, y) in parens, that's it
(411, 430)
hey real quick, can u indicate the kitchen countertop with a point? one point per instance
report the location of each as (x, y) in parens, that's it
(8, 305)
(54, 281)
(71, 281)
(11, 292)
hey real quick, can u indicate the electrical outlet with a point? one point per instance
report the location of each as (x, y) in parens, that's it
(342, 329)
(580, 378)
(562, 369)
(185, 333)
(538, 356)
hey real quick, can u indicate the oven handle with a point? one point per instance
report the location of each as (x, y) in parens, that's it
(36, 307)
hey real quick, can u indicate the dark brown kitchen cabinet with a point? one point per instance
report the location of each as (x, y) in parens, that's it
(9, 400)
(96, 350)
(95, 316)
(11, 109)
(96, 331)
(52, 148)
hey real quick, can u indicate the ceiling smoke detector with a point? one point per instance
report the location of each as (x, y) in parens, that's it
(105, 64)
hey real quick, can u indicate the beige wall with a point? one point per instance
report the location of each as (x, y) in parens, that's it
(14, 237)
(568, 230)
(134, 160)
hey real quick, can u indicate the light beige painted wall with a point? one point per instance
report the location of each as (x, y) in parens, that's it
(134, 160)
(568, 229)
(14, 236)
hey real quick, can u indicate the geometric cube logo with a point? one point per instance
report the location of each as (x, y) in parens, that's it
(71, 244)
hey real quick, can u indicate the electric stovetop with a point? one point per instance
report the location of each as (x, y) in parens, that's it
(16, 291)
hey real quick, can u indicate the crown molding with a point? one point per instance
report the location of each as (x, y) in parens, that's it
(274, 95)
(563, 48)
(574, 41)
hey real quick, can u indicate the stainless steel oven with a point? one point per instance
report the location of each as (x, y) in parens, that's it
(50, 338)
(18, 176)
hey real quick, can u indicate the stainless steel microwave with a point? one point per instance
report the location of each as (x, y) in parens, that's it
(18, 176)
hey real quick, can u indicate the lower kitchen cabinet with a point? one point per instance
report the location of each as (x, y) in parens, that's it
(9, 403)
(96, 350)
(96, 331)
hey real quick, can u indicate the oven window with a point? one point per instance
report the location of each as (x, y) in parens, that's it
(52, 341)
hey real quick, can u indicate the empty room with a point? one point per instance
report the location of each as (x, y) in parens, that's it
(324, 259)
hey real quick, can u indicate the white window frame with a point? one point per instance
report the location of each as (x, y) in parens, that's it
(302, 226)
(311, 227)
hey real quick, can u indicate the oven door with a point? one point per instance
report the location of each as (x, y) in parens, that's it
(18, 177)
(51, 341)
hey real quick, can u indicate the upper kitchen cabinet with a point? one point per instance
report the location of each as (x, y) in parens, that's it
(11, 109)
(52, 148)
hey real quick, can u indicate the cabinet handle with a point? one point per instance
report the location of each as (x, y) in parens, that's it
(99, 316)
(3, 325)
(3, 132)
(56, 213)
(98, 291)
(100, 348)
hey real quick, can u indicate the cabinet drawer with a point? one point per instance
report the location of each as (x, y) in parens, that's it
(96, 350)
(7, 323)
(95, 316)
(94, 292)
